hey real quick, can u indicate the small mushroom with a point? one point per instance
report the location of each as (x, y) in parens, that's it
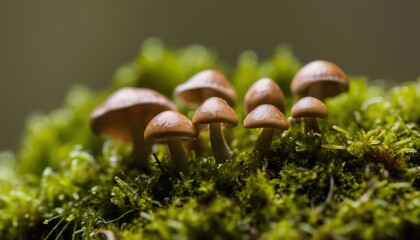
(215, 111)
(203, 85)
(319, 79)
(310, 109)
(264, 91)
(172, 127)
(125, 115)
(200, 87)
(269, 118)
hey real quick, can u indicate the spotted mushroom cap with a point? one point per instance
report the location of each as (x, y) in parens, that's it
(264, 91)
(309, 107)
(266, 116)
(125, 107)
(203, 85)
(215, 110)
(328, 76)
(170, 124)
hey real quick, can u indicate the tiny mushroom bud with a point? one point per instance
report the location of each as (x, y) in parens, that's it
(309, 109)
(203, 85)
(269, 118)
(172, 127)
(264, 91)
(215, 111)
(125, 115)
(319, 79)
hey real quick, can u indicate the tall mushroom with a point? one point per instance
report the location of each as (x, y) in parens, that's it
(203, 85)
(215, 111)
(264, 91)
(310, 109)
(172, 127)
(124, 116)
(319, 79)
(269, 118)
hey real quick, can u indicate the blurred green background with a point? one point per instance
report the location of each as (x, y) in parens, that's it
(47, 46)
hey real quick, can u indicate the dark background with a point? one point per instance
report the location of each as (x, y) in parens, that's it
(47, 46)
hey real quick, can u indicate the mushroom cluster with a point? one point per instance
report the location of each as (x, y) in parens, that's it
(142, 117)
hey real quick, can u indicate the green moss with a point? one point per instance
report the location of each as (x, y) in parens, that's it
(358, 179)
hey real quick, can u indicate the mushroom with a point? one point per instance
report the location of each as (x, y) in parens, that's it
(215, 111)
(264, 91)
(309, 109)
(319, 79)
(172, 127)
(125, 114)
(203, 85)
(269, 118)
(200, 87)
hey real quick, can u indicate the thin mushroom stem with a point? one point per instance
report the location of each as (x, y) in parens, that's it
(316, 91)
(196, 145)
(178, 155)
(311, 124)
(263, 143)
(141, 148)
(221, 150)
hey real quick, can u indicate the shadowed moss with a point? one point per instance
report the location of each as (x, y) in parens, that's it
(357, 179)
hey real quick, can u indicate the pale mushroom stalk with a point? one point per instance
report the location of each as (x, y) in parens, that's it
(178, 154)
(311, 124)
(263, 142)
(221, 150)
(196, 145)
(141, 148)
(316, 91)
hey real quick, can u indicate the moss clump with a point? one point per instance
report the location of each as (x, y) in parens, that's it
(357, 179)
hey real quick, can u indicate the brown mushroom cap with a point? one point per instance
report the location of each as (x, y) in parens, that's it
(205, 84)
(264, 91)
(309, 107)
(215, 110)
(266, 116)
(170, 124)
(332, 79)
(127, 105)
